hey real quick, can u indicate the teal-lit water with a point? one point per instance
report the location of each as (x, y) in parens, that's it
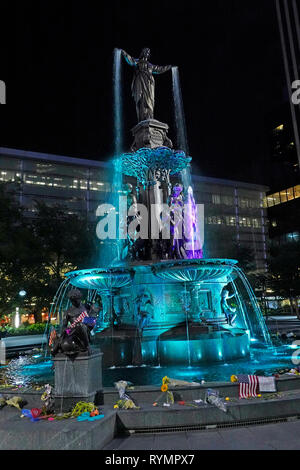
(31, 370)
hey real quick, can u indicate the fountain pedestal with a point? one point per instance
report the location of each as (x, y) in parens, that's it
(150, 133)
(77, 380)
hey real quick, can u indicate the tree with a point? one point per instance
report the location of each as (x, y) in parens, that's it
(11, 246)
(35, 253)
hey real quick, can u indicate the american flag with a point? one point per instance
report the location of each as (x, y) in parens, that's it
(79, 319)
(248, 385)
(52, 336)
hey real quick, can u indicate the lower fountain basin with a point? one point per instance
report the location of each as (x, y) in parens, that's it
(219, 346)
(202, 346)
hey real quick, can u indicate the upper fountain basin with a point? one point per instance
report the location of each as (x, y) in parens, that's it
(194, 270)
(101, 278)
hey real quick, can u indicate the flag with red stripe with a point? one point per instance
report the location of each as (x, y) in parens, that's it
(52, 336)
(248, 385)
(79, 319)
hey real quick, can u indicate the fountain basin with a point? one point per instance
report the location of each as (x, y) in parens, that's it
(218, 346)
(194, 270)
(101, 279)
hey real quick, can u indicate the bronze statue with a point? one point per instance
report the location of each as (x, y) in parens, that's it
(77, 323)
(230, 312)
(143, 84)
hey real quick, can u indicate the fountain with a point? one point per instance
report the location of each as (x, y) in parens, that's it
(163, 304)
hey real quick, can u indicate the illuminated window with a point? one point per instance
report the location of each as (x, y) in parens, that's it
(216, 199)
(297, 191)
(270, 201)
(214, 220)
(283, 196)
(256, 223)
(230, 220)
(276, 198)
(279, 128)
(290, 194)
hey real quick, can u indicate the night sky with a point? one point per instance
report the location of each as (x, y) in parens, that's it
(56, 59)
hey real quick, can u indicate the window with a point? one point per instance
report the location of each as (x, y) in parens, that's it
(230, 220)
(290, 194)
(243, 203)
(276, 198)
(214, 220)
(283, 196)
(256, 223)
(216, 199)
(297, 191)
(245, 222)
(227, 200)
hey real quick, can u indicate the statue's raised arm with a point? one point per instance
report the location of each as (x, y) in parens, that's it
(130, 60)
(158, 69)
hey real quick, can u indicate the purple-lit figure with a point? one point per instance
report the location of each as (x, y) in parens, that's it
(176, 223)
(192, 246)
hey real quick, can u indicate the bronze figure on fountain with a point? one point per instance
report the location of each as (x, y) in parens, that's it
(149, 132)
(76, 328)
(143, 84)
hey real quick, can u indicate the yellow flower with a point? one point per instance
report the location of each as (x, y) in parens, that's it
(164, 388)
(165, 380)
(116, 406)
(259, 395)
(227, 399)
(233, 378)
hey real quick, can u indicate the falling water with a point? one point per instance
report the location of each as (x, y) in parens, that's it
(118, 130)
(195, 244)
(187, 324)
(259, 320)
(179, 112)
(242, 309)
(117, 191)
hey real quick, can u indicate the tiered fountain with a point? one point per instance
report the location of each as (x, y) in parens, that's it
(162, 302)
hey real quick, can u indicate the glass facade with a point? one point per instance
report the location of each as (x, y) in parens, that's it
(233, 210)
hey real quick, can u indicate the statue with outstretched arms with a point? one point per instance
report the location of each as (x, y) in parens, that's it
(143, 83)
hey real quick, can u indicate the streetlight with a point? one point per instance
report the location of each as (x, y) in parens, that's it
(17, 318)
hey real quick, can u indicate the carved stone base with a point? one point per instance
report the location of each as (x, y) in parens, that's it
(151, 134)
